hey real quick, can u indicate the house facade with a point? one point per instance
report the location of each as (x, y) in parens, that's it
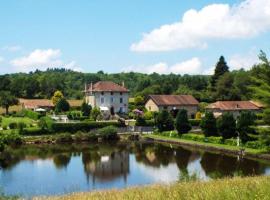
(233, 107)
(107, 96)
(173, 103)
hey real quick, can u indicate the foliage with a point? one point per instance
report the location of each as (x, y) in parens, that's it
(64, 138)
(195, 122)
(140, 121)
(182, 124)
(209, 125)
(7, 100)
(164, 121)
(45, 123)
(75, 115)
(62, 105)
(148, 115)
(86, 109)
(108, 133)
(266, 116)
(13, 125)
(139, 100)
(95, 113)
(30, 114)
(194, 137)
(220, 69)
(11, 138)
(244, 123)
(226, 125)
(57, 96)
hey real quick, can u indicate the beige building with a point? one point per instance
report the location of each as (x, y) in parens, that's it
(173, 103)
(234, 107)
(107, 96)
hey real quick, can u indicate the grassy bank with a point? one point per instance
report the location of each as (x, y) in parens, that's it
(222, 189)
(204, 144)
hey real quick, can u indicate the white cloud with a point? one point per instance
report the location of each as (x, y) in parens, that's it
(215, 21)
(12, 48)
(246, 62)
(1, 59)
(42, 59)
(192, 66)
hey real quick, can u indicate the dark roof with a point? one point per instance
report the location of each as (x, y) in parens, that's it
(173, 100)
(233, 105)
(107, 86)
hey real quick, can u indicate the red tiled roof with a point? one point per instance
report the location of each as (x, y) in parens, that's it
(107, 86)
(233, 105)
(35, 103)
(173, 100)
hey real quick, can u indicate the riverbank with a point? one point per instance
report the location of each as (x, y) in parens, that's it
(222, 189)
(219, 148)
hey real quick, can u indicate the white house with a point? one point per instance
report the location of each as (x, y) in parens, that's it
(107, 96)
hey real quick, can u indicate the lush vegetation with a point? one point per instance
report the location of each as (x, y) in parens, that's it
(222, 189)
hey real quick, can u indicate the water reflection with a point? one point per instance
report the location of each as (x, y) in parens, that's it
(88, 166)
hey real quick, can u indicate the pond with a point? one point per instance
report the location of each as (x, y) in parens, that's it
(33, 170)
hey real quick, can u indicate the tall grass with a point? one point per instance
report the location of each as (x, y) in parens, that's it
(222, 189)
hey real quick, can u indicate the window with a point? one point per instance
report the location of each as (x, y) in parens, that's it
(121, 93)
(102, 93)
(111, 99)
(111, 93)
(121, 100)
(192, 116)
(121, 110)
(149, 108)
(102, 100)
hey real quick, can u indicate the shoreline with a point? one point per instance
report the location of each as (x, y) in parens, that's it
(225, 149)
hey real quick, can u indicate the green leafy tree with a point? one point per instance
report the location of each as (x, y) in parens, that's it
(221, 68)
(95, 113)
(62, 105)
(226, 125)
(7, 100)
(58, 95)
(209, 125)
(140, 121)
(182, 124)
(138, 100)
(244, 123)
(86, 109)
(164, 121)
(266, 116)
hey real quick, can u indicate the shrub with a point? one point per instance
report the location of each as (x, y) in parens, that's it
(45, 123)
(194, 137)
(231, 142)
(34, 131)
(226, 125)
(2, 146)
(11, 138)
(84, 137)
(95, 113)
(140, 121)
(255, 145)
(13, 125)
(266, 116)
(74, 115)
(209, 125)
(62, 105)
(215, 140)
(164, 121)
(194, 122)
(148, 115)
(108, 133)
(30, 114)
(1, 119)
(182, 124)
(21, 126)
(244, 123)
(86, 109)
(64, 138)
(82, 126)
(150, 122)
(259, 122)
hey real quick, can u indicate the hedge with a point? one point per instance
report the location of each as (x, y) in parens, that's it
(255, 145)
(193, 137)
(231, 142)
(34, 131)
(82, 126)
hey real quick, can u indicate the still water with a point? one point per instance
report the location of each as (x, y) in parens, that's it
(57, 169)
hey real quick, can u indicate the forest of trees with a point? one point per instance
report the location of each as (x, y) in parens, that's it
(223, 85)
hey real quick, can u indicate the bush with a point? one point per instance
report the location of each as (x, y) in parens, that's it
(259, 122)
(11, 138)
(255, 145)
(34, 131)
(86, 109)
(266, 116)
(164, 121)
(209, 125)
(140, 121)
(198, 116)
(231, 142)
(108, 133)
(45, 123)
(1, 119)
(30, 114)
(150, 122)
(82, 126)
(21, 126)
(182, 124)
(194, 137)
(215, 140)
(75, 115)
(95, 113)
(244, 123)
(64, 138)
(13, 125)
(194, 122)
(148, 115)
(85, 137)
(62, 105)
(226, 125)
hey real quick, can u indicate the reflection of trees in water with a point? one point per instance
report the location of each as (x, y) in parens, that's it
(61, 160)
(218, 166)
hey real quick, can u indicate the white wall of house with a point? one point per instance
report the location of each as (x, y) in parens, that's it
(117, 100)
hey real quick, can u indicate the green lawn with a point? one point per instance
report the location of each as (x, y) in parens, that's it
(7, 120)
(222, 189)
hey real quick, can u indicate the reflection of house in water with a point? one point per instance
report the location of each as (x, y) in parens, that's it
(108, 168)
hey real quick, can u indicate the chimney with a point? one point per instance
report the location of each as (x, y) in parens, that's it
(123, 83)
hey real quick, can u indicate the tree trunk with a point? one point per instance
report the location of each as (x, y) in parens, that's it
(7, 110)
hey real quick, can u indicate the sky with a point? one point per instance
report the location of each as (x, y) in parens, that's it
(175, 36)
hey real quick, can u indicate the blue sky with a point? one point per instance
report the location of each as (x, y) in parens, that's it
(179, 36)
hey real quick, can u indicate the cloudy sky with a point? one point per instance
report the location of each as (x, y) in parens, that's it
(178, 36)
